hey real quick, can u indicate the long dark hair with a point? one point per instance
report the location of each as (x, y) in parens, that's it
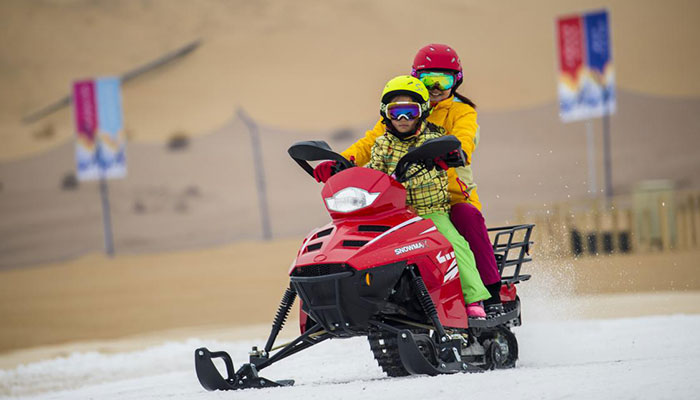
(464, 99)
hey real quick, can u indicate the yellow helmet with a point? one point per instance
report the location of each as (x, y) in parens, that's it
(408, 86)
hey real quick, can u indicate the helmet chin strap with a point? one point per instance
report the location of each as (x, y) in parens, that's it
(454, 88)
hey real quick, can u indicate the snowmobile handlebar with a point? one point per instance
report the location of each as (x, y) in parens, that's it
(316, 150)
(424, 155)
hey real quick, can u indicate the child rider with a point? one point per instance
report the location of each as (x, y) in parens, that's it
(404, 108)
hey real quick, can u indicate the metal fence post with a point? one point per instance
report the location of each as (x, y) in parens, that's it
(259, 173)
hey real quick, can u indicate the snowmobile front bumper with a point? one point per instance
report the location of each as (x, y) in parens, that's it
(344, 300)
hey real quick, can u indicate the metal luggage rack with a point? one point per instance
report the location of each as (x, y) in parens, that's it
(511, 245)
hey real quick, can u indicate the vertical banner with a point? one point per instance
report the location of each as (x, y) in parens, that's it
(100, 148)
(586, 77)
(110, 138)
(599, 62)
(85, 113)
(571, 58)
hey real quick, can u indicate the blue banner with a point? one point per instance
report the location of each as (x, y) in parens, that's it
(110, 127)
(599, 59)
(597, 41)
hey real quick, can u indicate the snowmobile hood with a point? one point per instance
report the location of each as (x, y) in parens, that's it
(364, 243)
(389, 194)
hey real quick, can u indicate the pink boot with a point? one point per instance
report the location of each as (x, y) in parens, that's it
(476, 310)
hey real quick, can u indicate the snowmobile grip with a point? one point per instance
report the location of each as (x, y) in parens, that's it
(315, 150)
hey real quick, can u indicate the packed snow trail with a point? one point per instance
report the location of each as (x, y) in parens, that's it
(651, 357)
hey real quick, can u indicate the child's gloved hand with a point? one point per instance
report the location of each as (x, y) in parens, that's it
(453, 159)
(438, 163)
(324, 171)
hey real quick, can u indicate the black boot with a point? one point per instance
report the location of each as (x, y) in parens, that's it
(492, 305)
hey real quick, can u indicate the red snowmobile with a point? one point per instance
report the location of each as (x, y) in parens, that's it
(379, 270)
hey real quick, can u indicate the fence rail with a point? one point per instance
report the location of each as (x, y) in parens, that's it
(666, 220)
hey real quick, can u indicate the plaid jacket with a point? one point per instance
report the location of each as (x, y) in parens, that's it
(459, 120)
(427, 191)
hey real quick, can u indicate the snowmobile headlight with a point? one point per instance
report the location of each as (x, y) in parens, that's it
(350, 199)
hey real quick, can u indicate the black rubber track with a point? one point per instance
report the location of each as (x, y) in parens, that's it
(386, 351)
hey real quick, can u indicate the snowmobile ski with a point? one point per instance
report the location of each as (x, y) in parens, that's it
(246, 377)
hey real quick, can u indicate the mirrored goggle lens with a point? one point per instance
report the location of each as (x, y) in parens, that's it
(437, 80)
(403, 110)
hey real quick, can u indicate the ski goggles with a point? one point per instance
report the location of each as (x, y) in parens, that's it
(437, 80)
(403, 109)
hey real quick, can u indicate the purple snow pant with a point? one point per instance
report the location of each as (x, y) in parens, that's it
(470, 223)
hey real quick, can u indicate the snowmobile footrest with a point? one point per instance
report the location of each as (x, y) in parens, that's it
(246, 377)
(416, 363)
(511, 314)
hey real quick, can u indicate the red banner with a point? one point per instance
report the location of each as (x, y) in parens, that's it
(571, 50)
(85, 107)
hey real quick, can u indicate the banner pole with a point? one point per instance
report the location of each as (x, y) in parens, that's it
(607, 157)
(106, 216)
(590, 144)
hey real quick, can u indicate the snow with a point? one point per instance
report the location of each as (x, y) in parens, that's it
(651, 357)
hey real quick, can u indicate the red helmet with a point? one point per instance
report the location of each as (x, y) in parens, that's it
(437, 56)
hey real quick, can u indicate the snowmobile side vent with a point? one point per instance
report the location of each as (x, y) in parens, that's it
(323, 233)
(373, 228)
(314, 246)
(319, 270)
(354, 243)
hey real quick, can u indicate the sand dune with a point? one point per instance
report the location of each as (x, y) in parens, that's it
(309, 64)
(305, 70)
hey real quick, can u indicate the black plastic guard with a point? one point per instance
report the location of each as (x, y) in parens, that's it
(246, 377)
(511, 316)
(415, 362)
(208, 375)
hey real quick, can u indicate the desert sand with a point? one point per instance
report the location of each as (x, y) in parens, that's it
(95, 297)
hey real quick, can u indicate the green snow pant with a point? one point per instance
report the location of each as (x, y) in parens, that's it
(472, 287)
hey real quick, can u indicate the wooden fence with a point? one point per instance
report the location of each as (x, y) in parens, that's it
(665, 220)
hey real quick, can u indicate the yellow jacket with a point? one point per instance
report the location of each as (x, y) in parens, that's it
(458, 119)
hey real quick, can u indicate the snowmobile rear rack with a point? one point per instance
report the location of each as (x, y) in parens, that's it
(511, 246)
